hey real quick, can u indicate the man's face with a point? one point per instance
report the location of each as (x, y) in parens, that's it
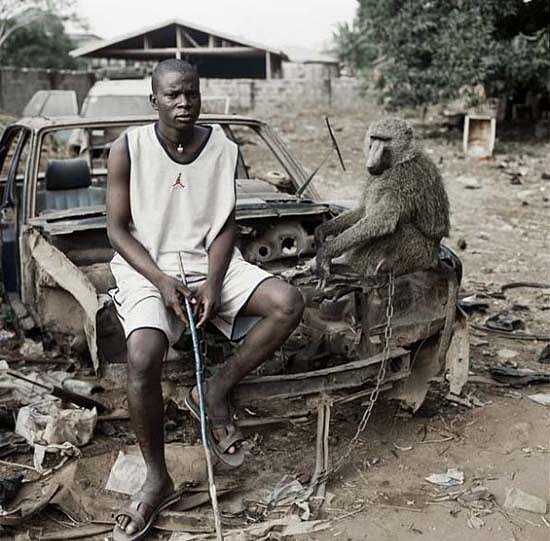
(177, 99)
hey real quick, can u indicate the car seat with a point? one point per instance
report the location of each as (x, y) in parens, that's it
(68, 185)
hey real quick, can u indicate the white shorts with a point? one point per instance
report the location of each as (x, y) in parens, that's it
(139, 303)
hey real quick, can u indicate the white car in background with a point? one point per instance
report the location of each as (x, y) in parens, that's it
(130, 97)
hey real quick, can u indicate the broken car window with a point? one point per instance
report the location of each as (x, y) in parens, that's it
(257, 161)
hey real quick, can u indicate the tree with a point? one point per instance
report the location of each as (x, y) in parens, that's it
(42, 44)
(32, 33)
(426, 51)
(17, 14)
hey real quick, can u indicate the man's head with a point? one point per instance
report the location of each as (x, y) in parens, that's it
(176, 93)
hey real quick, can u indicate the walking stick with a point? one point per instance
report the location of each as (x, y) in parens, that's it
(202, 408)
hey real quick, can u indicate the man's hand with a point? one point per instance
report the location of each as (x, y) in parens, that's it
(173, 292)
(208, 301)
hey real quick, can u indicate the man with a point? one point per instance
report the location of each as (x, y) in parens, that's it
(171, 189)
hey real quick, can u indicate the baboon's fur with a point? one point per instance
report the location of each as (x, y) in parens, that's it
(404, 211)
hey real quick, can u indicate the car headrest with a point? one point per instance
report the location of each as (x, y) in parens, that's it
(67, 174)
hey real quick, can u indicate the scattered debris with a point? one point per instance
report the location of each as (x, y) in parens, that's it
(46, 422)
(475, 494)
(461, 243)
(468, 496)
(35, 495)
(31, 349)
(517, 499)
(470, 401)
(473, 303)
(287, 527)
(544, 356)
(185, 463)
(475, 523)
(401, 448)
(479, 135)
(514, 285)
(288, 491)
(452, 478)
(12, 443)
(503, 321)
(78, 532)
(6, 335)
(470, 183)
(65, 394)
(177, 521)
(49, 428)
(518, 376)
(9, 488)
(507, 353)
(540, 398)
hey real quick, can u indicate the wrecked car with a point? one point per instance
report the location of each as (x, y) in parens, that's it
(55, 262)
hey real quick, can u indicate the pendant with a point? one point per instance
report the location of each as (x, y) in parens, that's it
(180, 149)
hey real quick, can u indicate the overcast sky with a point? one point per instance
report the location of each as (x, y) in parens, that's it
(307, 23)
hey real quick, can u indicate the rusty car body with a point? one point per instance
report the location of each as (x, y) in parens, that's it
(55, 261)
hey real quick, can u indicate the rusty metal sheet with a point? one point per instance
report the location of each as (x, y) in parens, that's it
(424, 366)
(70, 278)
(344, 376)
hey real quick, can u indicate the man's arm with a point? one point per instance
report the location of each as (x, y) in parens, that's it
(219, 256)
(118, 221)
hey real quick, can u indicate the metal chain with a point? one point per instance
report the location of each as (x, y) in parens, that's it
(376, 391)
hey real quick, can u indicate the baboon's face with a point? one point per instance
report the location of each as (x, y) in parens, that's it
(379, 153)
(386, 143)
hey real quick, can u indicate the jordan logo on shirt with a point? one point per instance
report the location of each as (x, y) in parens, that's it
(178, 182)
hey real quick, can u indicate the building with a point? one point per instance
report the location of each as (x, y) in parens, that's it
(218, 55)
(307, 63)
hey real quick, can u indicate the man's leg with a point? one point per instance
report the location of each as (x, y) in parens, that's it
(280, 306)
(146, 351)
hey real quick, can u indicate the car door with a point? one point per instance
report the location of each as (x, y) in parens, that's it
(14, 155)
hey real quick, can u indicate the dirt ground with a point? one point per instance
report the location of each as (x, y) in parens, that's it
(500, 213)
(504, 222)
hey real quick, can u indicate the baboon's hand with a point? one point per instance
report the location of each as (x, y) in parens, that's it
(323, 265)
(319, 235)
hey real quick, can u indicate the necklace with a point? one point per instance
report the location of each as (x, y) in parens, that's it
(179, 145)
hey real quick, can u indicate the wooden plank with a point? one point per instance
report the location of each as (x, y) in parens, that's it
(171, 51)
(179, 42)
(267, 65)
(189, 37)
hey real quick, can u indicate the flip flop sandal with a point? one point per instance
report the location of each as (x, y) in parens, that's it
(131, 509)
(219, 448)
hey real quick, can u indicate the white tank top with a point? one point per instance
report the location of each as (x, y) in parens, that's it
(180, 207)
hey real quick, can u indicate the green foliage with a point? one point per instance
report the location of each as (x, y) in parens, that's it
(425, 51)
(32, 33)
(39, 44)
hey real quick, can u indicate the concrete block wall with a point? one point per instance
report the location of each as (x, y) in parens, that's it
(17, 85)
(262, 96)
(249, 96)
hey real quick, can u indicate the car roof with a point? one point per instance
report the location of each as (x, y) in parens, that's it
(40, 122)
(121, 87)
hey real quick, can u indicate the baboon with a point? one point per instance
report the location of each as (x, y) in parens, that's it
(404, 210)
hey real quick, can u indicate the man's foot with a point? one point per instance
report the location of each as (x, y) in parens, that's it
(143, 508)
(219, 414)
(224, 437)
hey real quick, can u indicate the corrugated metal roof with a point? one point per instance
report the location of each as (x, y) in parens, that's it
(303, 55)
(95, 47)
